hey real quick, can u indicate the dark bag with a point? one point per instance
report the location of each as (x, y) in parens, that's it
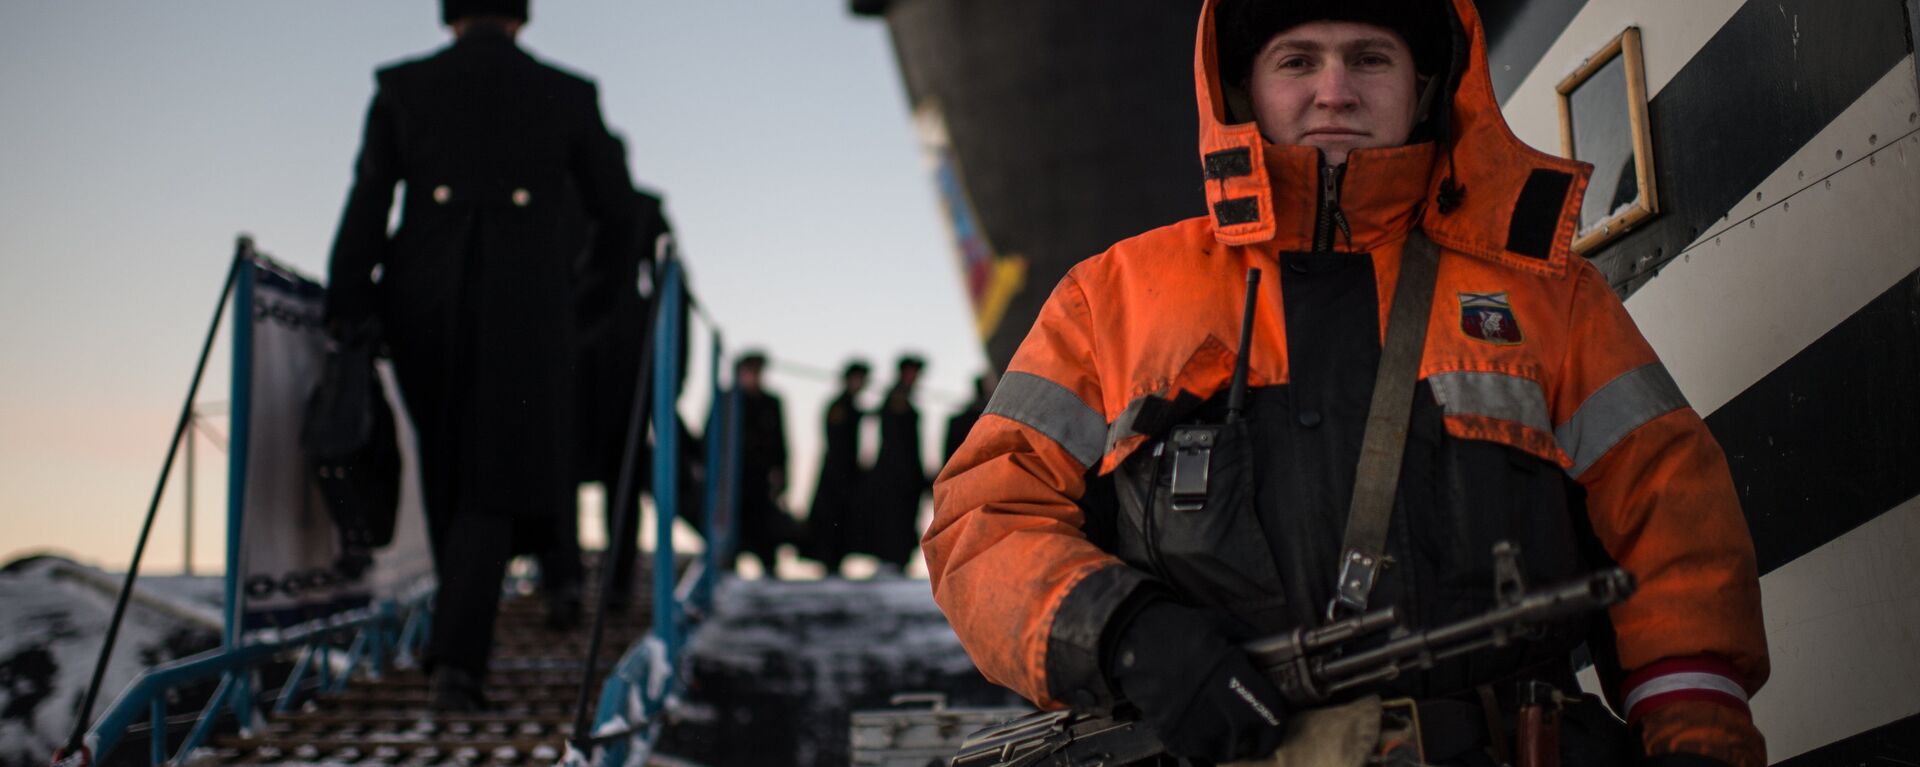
(353, 449)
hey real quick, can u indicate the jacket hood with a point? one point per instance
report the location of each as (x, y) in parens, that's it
(1487, 193)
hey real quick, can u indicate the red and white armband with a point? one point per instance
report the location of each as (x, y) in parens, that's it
(1697, 678)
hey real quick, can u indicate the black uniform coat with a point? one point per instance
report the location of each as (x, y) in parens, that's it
(891, 494)
(763, 468)
(830, 518)
(499, 153)
(960, 425)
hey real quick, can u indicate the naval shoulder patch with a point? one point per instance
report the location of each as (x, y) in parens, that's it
(1489, 317)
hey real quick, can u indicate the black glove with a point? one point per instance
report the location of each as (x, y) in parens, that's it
(1198, 692)
(345, 329)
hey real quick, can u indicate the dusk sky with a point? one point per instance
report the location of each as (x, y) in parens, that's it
(141, 138)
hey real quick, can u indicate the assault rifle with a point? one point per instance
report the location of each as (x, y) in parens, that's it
(1309, 668)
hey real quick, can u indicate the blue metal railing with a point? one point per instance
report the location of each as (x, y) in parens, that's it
(75, 747)
(389, 633)
(369, 639)
(627, 721)
(374, 636)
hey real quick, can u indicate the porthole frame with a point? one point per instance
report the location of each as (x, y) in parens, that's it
(1625, 45)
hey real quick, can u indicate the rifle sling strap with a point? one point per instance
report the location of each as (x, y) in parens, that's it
(1384, 442)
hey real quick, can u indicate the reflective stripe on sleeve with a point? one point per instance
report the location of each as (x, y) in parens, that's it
(1495, 395)
(1678, 679)
(1053, 410)
(1610, 414)
(1122, 427)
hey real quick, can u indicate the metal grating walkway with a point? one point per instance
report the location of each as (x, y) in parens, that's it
(530, 689)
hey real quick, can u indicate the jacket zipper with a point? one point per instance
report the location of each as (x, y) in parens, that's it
(1331, 217)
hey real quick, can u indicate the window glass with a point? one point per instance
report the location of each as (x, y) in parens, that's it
(1603, 135)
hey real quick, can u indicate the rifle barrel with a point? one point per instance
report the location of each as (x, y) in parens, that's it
(1591, 593)
(1341, 632)
(1275, 650)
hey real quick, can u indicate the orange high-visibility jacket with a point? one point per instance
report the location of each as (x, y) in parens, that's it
(1555, 370)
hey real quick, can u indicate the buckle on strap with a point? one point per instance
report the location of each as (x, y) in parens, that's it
(1192, 459)
(1358, 570)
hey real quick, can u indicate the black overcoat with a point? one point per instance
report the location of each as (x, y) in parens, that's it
(830, 518)
(763, 468)
(891, 494)
(504, 160)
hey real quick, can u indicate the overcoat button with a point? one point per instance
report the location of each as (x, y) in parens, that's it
(521, 197)
(1310, 418)
(442, 193)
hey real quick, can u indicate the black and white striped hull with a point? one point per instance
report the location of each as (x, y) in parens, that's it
(1781, 285)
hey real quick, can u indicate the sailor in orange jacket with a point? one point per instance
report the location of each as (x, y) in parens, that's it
(1540, 417)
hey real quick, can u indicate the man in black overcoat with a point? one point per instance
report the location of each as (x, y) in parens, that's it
(962, 422)
(831, 518)
(764, 523)
(898, 480)
(500, 154)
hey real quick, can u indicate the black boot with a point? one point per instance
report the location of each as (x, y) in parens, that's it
(456, 691)
(563, 610)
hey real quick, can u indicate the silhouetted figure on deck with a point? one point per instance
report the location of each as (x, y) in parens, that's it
(764, 523)
(962, 422)
(890, 497)
(500, 155)
(831, 519)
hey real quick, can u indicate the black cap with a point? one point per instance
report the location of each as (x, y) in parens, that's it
(1244, 27)
(855, 367)
(455, 10)
(754, 359)
(910, 361)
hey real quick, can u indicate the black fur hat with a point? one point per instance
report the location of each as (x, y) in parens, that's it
(454, 10)
(1243, 27)
(754, 359)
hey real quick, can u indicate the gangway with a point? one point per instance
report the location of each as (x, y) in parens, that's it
(346, 688)
(531, 690)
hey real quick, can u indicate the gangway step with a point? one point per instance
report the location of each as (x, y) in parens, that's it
(506, 676)
(528, 649)
(239, 752)
(545, 663)
(369, 743)
(417, 726)
(409, 698)
(419, 711)
(531, 687)
(409, 716)
(507, 690)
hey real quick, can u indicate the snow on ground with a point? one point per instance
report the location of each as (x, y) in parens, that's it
(53, 615)
(780, 667)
